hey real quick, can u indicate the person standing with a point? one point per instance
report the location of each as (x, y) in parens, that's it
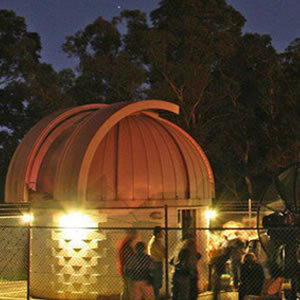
(125, 252)
(237, 252)
(156, 250)
(180, 281)
(140, 274)
(252, 277)
(185, 276)
(219, 268)
(194, 256)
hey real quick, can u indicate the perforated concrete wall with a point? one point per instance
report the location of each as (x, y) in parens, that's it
(82, 263)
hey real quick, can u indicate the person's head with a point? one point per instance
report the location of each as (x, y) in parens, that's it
(157, 231)
(140, 247)
(188, 244)
(249, 258)
(226, 251)
(132, 233)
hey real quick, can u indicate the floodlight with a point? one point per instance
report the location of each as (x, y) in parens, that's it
(210, 214)
(27, 218)
(75, 225)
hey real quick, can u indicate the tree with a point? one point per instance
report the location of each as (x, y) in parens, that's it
(106, 72)
(29, 89)
(288, 146)
(19, 51)
(187, 41)
(254, 73)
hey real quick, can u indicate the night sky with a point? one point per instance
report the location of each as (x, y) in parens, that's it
(55, 19)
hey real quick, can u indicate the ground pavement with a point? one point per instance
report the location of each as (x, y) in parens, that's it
(17, 290)
(13, 290)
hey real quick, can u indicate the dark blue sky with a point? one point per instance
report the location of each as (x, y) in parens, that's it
(55, 19)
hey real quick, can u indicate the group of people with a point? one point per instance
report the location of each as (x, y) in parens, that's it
(141, 268)
(248, 275)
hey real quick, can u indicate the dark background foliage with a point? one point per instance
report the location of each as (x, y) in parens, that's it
(238, 97)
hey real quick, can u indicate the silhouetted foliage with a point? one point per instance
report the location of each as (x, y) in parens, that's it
(29, 89)
(238, 97)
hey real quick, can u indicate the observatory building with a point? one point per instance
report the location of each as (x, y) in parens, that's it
(104, 166)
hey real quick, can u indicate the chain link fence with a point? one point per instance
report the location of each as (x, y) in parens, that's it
(83, 263)
(14, 263)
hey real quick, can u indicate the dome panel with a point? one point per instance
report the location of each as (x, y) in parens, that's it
(77, 149)
(71, 158)
(201, 183)
(165, 147)
(139, 163)
(187, 152)
(147, 164)
(154, 164)
(102, 176)
(44, 173)
(52, 147)
(125, 163)
(109, 166)
(20, 167)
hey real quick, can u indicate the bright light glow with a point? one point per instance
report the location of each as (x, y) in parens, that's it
(27, 218)
(210, 214)
(76, 219)
(74, 225)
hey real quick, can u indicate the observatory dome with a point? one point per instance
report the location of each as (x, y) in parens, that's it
(118, 154)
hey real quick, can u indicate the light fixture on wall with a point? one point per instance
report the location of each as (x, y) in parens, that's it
(27, 218)
(76, 225)
(210, 214)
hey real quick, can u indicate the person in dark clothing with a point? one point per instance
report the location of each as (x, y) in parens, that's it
(125, 251)
(219, 268)
(139, 269)
(184, 280)
(194, 256)
(252, 277)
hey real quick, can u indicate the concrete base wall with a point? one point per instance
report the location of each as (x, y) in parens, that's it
(83, 266)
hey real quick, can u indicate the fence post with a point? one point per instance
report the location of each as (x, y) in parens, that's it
(166, 252)
(28, 253)
(250, 211)
(28, 259)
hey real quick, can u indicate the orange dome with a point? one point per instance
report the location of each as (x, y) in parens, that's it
(110, 153)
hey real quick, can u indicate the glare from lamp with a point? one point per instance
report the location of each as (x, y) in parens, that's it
(210, 214)
(27, 218)
(74, 225)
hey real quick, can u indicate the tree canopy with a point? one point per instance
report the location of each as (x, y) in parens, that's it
(29, 89)
(238, 96)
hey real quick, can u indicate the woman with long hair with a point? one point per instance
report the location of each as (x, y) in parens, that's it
(184, 282)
